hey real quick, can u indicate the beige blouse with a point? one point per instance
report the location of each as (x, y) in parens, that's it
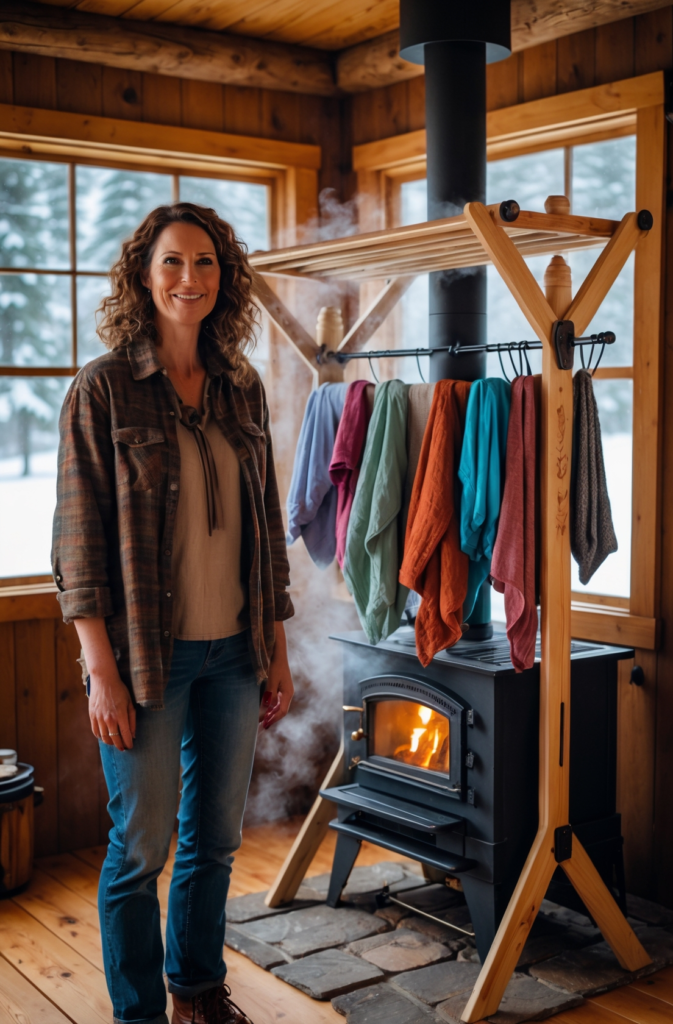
(209, 595)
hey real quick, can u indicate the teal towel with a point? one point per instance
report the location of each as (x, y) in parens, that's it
(373, 545)
(482, 475)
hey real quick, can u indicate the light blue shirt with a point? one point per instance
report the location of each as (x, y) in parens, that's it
(312, 498)
(482, 475)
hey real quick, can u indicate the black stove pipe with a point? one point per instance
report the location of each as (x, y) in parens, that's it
(455, 40)
(455, 111)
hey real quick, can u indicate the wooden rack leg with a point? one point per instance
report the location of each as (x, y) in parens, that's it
(582, 872)
(554, 770)
(513, 931)
(306, 845)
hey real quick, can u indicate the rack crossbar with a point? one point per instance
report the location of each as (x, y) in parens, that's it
(327, 355)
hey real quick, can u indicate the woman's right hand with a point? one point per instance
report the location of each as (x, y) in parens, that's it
(111, 711)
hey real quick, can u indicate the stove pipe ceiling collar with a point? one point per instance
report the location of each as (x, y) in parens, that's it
(440, 21)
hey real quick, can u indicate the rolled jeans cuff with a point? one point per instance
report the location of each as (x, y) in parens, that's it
(192, 991)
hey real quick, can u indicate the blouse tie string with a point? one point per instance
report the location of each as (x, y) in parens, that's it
(191, 418)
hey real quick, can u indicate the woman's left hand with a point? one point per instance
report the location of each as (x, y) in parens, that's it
(279, 687)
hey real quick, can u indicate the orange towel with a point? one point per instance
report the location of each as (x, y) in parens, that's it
(433, 564)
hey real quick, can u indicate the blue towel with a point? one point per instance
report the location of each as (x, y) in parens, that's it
(482, 475)
(312, 499)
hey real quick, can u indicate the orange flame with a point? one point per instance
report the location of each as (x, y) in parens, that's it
(398, 734)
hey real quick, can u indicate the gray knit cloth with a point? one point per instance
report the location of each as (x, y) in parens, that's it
(592, 535)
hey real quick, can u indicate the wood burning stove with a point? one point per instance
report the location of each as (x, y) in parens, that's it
(443, 763)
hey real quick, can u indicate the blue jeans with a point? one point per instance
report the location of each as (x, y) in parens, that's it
(209, 724)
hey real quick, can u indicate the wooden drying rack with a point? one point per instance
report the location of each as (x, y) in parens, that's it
(482, 235)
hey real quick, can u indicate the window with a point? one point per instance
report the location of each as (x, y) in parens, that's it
(61, 228)
(599, 179)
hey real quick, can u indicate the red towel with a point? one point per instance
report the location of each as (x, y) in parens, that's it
(433, 565)
(344, 468)
(513, 563)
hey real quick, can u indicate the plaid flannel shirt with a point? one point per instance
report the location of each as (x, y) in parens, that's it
(117, 494)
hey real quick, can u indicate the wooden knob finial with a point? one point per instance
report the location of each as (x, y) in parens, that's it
(558, 285)
(557, 204)
(330, 327)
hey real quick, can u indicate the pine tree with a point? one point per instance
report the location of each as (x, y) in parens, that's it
(34, 308)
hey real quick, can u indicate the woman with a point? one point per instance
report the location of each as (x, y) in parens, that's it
(169, 556)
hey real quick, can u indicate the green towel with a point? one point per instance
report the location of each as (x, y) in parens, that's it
(373, 545)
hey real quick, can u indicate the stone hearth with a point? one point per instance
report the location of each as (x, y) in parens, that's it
(390, 963)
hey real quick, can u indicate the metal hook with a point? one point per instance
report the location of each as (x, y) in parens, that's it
(598, 360)
(520, 350)
(372, 370)
(502, 366)
(529, 372)
(510, 349)
(420, 372)
(587, 366)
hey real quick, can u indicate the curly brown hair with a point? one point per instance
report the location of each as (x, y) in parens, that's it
(128, 312)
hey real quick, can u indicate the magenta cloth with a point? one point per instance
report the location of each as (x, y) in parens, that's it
(344, 468)
(513, 563)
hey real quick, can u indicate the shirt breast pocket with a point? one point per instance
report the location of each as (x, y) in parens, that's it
(141, 456)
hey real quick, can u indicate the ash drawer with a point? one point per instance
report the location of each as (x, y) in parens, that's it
(391, 808)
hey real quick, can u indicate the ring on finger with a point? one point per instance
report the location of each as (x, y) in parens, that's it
(113, 734)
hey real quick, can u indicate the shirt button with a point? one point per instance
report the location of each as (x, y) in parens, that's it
(169, 594)
(167, 551)
(58, 579)
(174, 487)
(171, 413)
(167, 632)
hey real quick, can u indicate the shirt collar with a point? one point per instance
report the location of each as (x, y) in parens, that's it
(143, 358)
(144, 361)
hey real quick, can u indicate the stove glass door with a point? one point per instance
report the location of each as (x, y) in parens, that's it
(411, 733)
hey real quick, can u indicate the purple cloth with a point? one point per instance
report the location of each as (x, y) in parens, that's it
(312, 499)
(344, 468)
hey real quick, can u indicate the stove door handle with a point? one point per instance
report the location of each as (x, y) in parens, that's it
(359, 733)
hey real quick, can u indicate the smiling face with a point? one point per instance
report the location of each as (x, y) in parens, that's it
(184, 274)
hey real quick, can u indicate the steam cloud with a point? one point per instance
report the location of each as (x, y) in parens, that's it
(294, 755)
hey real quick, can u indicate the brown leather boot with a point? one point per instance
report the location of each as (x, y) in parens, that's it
(211, 1007)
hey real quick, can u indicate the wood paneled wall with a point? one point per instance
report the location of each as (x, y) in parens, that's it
(623, 49)
(55, 84)
(634, 46)
(43, 715)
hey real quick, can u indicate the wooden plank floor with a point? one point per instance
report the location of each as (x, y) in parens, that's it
(50, 955)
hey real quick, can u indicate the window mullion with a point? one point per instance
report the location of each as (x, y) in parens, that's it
(568, 174)
(72, 230)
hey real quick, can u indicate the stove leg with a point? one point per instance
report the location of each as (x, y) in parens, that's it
(621, 879)
(347, 849)
(487, 904)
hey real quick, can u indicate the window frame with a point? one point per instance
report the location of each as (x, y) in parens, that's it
(633, 106)
(288, 169)
(74, 273)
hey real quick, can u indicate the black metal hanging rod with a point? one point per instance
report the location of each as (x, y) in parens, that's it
(327, 355)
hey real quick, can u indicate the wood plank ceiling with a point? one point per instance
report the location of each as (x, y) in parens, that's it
(327, 24)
